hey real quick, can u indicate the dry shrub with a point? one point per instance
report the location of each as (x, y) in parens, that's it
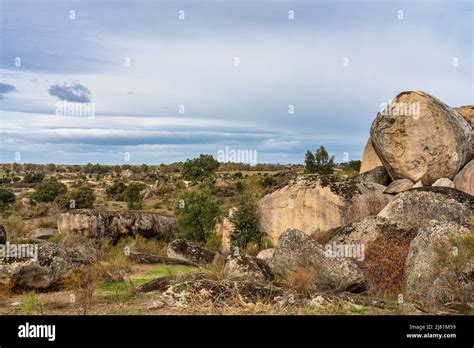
(5, 293)
(384, 262)
(15, 226)
(83, 282)
(149, 246)
(252, 248)
(302, 280)
(217, 270)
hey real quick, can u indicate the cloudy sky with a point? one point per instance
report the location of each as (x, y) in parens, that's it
(167, 80)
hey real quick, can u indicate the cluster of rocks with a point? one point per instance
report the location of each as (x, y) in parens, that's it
(36, 264)
(416, 181)
(113, 225)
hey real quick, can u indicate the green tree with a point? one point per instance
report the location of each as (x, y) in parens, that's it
(133, 196)
(324, 163)
(6, 198)
(48, 190)
(245, 224)
(310, 162)
(197, 212)
(79, 198)
(200, 168)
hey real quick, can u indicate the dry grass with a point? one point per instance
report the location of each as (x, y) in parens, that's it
(384, 263)
(302, 280)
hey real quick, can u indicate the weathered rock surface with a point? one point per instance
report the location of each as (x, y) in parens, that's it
(311, 203)
(398, 186)
(182, 249)
(467, 112)
(3, 234)
(46, 267)
(464, 180)
(429, 280)
(421, 205)
(444, 182)
(225, 229)
(367, 230)
(115, 225)
(370, 160)
(267, 256)
(420, 137)
(378, 175)
(296, 249)
(248, 267)
(42, 233)
(418, 184)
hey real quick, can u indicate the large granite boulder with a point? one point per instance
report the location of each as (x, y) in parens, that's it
(296, 249)
(418, 137)
(367, 230)
(182, 249)
(114, 225)
(39, 266)
(420, 205)
(432, 274)
(464, 180)
(314, 203)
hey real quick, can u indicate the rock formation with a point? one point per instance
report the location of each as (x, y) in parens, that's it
(419, 137)
(421, 205)
(427, 279)
(46, 267)
(296, 249)
(117, 224)
(318, 203)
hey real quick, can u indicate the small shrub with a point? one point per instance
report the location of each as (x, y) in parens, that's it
(30, 304)
(302, 280)
(48, 190)
(83, 282)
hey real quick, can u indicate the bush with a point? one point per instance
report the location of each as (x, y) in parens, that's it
(197, 212)
(302, 280)
(6, 198)
(245, 222)
(200, 168)
(33, 177)
(49, 190)
(267, 181)
(80, 198)
(133, 196)
(116, 191)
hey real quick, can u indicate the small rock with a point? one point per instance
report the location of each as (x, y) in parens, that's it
(418, 184)
(399, 186)
(245, 266)
(464, 180)
(444, 182)
(155, 305)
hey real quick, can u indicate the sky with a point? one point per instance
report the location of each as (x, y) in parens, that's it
(143, 81)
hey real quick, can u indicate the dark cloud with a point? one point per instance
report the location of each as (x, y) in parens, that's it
(5, 88)
(71, 92)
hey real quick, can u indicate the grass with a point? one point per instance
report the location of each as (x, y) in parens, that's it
(121, 290)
